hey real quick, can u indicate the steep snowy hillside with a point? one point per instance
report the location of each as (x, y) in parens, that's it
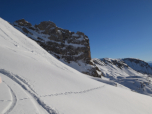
(34, 82)
(71, 48)
(138, 65)
(118, 71)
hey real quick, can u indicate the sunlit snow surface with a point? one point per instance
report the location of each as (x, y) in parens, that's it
(34, 82)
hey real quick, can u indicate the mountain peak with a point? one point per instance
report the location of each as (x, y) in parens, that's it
(46, 25)
(71, 48)
(23, 22)
(138, 65)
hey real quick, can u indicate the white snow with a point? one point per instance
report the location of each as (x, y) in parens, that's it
(34, 82)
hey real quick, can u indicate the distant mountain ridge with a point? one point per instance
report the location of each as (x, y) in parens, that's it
(150, 63)
(71, 48)
(123, 71)
(138, 65)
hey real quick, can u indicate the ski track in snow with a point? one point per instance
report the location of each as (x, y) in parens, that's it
(13, 101)
(28, 90)
(8, 36)
(26, 83)
(67, 93)
(33, 94)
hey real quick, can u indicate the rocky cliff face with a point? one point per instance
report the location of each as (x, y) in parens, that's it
(71, 48)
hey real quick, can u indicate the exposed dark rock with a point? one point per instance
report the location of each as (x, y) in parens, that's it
(22, 22)
(62, 43)
(25, 30)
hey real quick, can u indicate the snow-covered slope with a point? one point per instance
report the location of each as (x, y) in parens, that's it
(34, 82)
(119, 72)
(138, 65)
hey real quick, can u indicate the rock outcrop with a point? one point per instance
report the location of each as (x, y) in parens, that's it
(71, 48)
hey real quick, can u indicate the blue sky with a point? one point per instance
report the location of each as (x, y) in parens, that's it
(116, 28)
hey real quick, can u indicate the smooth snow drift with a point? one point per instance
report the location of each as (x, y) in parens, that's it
(34, 82)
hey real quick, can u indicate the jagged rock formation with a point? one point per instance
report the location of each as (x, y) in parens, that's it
(71, 48)
(138, 65)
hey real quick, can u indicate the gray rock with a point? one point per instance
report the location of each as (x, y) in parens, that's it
(63, 44)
